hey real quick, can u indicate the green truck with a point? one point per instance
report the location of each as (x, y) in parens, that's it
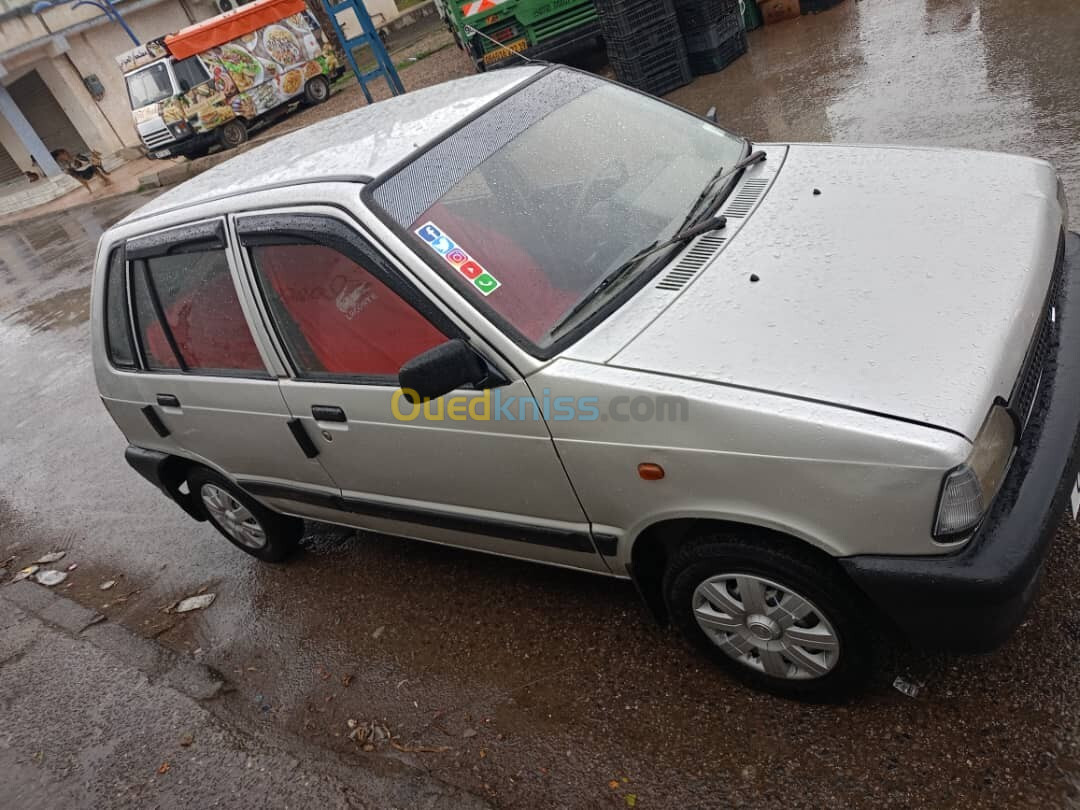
(492, 31)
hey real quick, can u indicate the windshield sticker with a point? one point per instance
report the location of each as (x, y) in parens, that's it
(457, 258)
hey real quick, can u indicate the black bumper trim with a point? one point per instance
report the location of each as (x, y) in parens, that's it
(166, 473)
(537, 535)
(974, 599)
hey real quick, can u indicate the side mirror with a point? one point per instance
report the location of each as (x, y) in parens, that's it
(711, 114)
(441, 370)
(184, 85)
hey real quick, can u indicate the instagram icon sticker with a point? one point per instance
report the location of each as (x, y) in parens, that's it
(457, 257)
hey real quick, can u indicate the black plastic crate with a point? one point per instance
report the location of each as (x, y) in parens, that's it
(658, 82)
(714, 8)
(710, 37)
(699, 13)
(659, 35)
(655, 70)
(703, 62)
(622, 18)
(642, 61)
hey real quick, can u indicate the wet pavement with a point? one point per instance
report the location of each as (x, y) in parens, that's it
(549, 688)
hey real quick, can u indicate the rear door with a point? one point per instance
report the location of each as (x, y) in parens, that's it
(345, 319)
(204, 383)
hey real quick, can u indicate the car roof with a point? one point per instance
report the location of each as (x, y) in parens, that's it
(356, 145)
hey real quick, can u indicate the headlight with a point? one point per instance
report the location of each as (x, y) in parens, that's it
(969, 489)
(179, 128)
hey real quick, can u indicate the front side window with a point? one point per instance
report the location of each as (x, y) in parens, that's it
(149, 85)
(190, 73)
(335, 316)
(529, 207)
(189, 315)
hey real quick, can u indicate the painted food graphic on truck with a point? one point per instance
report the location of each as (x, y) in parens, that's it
(271, 69)
(244, 68)
(292, 82)
(312, 69)
(281, 44)
(243, 105)
(300, 22)
(172, 110)
(265, 96)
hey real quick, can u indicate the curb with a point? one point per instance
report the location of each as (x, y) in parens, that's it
(195, 680)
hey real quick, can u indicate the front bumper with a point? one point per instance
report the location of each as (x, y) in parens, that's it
(555, 48)
(185, 146)
(973, 600)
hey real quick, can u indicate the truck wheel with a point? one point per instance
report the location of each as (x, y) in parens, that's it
(232, 134)
(246, 523)
(317, 90)
(778, 618)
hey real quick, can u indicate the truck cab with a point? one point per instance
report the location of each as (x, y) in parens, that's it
(492, 31)
(160, 81)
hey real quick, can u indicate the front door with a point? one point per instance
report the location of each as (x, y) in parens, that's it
(203, 383)
(347, 320)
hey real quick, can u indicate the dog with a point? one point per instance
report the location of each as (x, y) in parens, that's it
(82, 166)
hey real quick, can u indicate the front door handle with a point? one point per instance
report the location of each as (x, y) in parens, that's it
(328, 413)
(168, 401)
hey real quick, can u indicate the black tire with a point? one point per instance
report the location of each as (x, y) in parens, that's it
(282, 532)
(802, 571)
(316, 91)
(232, 134)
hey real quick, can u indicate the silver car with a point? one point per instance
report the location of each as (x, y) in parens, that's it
(799, 394)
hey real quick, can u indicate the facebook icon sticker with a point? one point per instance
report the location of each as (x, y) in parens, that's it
(429, 233)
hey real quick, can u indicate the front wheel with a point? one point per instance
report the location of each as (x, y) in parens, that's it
(232, 134)
(245, 522)
(778, 618)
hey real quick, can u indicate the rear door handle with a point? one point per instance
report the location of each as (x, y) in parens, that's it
(328, 413)
(168, 401)
(306, 444)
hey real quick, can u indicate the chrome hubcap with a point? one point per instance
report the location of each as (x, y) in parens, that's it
(233, 517)
(766, 626)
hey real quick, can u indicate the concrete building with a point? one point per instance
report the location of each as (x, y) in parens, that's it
(59, 84)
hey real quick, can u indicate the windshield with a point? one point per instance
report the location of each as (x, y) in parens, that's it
(535, 224)
(149, 85)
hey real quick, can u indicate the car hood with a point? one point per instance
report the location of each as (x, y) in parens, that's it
(902, 281)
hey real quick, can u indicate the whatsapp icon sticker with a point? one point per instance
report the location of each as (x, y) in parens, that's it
(486, 283)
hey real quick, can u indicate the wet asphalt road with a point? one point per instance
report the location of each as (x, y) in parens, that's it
(566, 686)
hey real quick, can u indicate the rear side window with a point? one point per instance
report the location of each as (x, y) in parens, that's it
(117, 325)
(190, 317)
(335, 317)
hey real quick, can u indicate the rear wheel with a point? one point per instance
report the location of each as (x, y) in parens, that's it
(317, 90)
(780, 619)
(232, 134)
(244, 522)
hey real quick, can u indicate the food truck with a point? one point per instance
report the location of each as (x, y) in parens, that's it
(213, 81)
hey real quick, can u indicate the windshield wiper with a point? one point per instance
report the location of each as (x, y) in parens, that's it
(716, 182)
(684, 235)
